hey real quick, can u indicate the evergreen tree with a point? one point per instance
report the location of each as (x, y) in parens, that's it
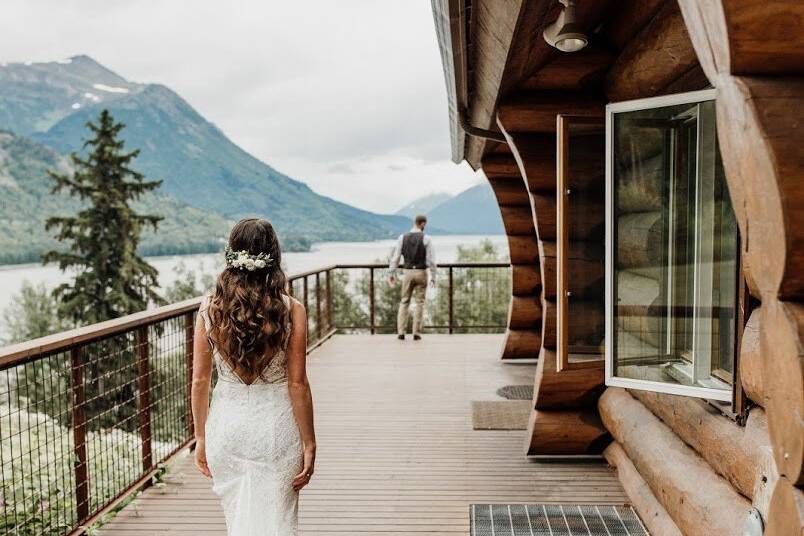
(111, 280)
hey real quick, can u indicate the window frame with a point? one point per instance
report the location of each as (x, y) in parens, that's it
(724, 395)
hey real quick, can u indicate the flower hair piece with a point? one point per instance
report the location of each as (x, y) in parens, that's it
(243, 260)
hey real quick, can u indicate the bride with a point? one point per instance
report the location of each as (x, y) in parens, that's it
(256, 440)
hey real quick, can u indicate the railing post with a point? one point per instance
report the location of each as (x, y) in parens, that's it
(306, 306)
(371, 299)
(318, 324)
(189, 340)
(451, 302)
(144, 397)
(79, 435)
(329, 299)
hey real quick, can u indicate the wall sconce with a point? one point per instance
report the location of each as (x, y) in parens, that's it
(565, 34)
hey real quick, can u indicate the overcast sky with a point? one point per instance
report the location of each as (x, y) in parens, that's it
(347, 96)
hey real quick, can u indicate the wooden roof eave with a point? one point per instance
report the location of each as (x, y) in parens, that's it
(450, 27)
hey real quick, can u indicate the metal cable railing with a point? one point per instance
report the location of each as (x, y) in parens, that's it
(91, 415)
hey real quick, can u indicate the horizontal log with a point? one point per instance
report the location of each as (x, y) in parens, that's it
(549, 323)
(526, 279)
(650, 510)
(734, 452)
(751, 360)
(535, 155)
(517, 220)
(783, 371)
(544, 215)
(568, 389)
(584, 70)
(584, 265)
(659, 54)
(586, 323)
(523, 249)
(751, 52)
(537, 111)
(500, 166)
(566, 432)
(510, 191)
(524, 312)
(698, 499)
(521, 344)
(587, 158)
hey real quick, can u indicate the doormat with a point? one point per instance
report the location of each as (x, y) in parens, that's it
(516, 392)
(500, 414)
(554, 520)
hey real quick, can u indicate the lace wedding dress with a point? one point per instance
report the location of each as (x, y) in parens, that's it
(254, 449)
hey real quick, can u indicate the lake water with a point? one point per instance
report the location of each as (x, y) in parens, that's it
(321, 254)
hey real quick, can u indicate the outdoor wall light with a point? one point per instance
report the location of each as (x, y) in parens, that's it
(564, 33)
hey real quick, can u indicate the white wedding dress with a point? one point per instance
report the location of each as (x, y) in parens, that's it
(254, 449)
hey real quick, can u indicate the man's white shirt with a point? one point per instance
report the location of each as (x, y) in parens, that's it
(428, 248)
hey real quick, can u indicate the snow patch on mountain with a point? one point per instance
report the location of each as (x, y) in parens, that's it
(110, 89)
(76, 105)
(92, 97)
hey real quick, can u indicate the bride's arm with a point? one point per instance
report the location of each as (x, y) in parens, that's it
(299, 388)
(202, 374)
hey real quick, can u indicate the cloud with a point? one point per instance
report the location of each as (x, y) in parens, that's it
(313, 91)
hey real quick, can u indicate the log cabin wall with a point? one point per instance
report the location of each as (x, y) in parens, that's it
(688, 468)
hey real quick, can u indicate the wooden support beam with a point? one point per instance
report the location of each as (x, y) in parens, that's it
(751, 359)
(536, 112)
(698, 499)
(631, 18)
(650, 510)
(783, 372)
(658, 55)
(786, 513)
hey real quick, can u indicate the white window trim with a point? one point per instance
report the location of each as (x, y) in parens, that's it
(611, 380)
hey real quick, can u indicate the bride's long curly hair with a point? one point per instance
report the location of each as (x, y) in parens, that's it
(248, 313)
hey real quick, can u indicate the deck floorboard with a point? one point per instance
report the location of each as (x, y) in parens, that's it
(396, 451)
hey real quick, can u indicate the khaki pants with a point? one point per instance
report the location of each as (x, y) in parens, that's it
(414, 283)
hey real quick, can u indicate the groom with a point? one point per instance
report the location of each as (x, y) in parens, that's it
(417, 250)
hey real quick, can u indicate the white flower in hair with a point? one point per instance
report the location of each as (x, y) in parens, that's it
(244, 260)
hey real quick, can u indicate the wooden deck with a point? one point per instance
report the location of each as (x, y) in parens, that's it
(396, 451)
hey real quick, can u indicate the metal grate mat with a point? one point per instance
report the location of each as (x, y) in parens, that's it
(554, 520)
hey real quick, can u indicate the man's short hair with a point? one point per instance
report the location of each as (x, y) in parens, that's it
(420, 219)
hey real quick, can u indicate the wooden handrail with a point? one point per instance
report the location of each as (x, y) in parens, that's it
(16, 354)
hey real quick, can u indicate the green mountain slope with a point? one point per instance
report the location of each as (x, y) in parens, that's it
(197, 162)
(473, 211)
(26, 202)
(423, 205)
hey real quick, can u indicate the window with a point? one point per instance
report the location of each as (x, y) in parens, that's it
(671, 249)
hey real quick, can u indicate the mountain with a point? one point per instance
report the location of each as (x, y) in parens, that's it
(200, 166)
(26, 202)
(473, 211)
(423, 205)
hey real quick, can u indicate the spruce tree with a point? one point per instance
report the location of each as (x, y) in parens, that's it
(111, 279)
